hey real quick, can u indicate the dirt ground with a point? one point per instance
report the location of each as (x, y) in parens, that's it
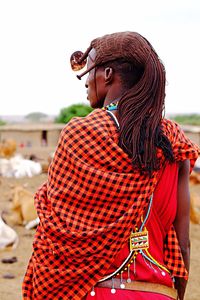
(10, 289)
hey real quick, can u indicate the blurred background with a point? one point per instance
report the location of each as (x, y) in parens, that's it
(39, 94)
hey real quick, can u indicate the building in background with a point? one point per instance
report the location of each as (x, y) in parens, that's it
(32, 135)
(47, 134)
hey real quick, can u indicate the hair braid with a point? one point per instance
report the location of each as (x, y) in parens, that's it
(141, 106)
(140, 114)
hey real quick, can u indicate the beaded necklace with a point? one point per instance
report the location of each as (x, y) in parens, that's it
(139, 240)
(111, 106)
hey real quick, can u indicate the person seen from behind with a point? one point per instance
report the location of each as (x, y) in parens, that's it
(114, 212)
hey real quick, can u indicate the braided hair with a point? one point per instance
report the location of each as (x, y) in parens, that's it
(141, 106)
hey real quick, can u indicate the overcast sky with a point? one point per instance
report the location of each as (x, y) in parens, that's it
(38, 36)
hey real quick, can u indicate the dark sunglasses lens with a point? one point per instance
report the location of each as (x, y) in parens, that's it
(74, 61)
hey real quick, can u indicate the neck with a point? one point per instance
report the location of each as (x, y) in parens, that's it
(114, 94)
(109, 101)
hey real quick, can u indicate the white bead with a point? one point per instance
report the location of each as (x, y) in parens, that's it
(128, 280)
(92, 293)
(113, 291)
(122, 285)
(163, 273)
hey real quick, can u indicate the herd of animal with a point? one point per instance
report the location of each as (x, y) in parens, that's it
(22, 210)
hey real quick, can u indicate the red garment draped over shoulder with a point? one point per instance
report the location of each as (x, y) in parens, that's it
(162, 214)
(87, 208)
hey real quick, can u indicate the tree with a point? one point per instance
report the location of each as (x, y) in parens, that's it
(2, 122)
(187, 119)
(75, 110)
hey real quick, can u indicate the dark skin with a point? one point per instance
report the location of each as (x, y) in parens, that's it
(182, 222)
(104, 86)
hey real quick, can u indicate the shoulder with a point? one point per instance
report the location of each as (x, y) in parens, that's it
(183, 148)
(82, 123)
(170, 126)
(96, 123)
(171, 129)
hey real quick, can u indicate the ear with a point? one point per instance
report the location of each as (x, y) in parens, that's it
(108, 75)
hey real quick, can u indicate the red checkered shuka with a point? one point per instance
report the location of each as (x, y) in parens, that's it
(92, 199)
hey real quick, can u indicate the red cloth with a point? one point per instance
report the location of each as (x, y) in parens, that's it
(88, 207)
(161, 217)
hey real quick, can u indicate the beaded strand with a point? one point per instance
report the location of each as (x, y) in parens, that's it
(111, 106)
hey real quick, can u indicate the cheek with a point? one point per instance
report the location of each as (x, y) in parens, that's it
(101, 88)
(91, 89)
(91, 84)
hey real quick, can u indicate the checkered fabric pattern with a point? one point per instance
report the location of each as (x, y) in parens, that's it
(88, 206)
(173, 255)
